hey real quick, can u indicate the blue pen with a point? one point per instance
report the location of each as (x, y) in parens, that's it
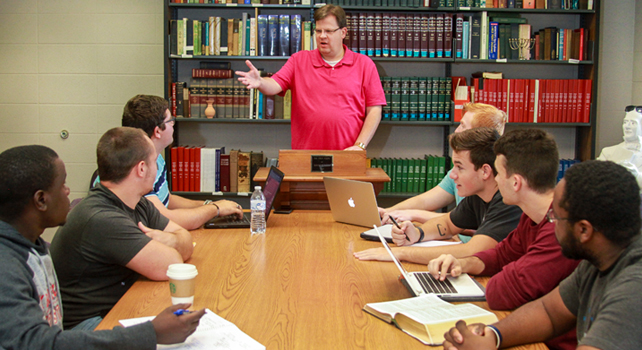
(181, 311)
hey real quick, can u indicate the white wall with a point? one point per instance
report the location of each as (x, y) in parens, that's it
(636, 99)
(72, 65)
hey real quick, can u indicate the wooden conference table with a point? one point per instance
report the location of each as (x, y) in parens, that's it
(296, 287)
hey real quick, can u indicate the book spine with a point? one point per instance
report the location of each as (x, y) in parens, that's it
(459, 35)
(363, 34)
(262, 34)
(273, 35)
(493, 40)
(448, 35)
(284, 35)
(378, 35)
(295, 34)
(394, 31)
(385, 34)
(401, 36)
(424, 29)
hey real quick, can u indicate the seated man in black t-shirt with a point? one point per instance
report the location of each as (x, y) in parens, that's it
(115, 234)
(482, 210)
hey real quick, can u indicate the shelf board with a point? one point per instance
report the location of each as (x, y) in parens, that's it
(210, 194)
(232, 5)
(415, 123)
(398, 8)
(506, 61)
(233, 120)
(227, 58)
(536, 11)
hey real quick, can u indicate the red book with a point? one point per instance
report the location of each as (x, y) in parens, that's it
(439, 29)
(212, 73)
(186, 169)
(423, 46)
(448, 35)
(174, 168)
(511, 100)
(526, 103)
(225, 172)
(531, 100)
(362, 33)
(416, 32)
(197, 169)
(565, 88)
(519, 99)
(580, 43)
(385, 34)
(401, 36)
(579, 101)
(394, 29)
(432, 36)
(354, 32)
(370, 34)
(586, 115)
(377, 34)
(181, 171)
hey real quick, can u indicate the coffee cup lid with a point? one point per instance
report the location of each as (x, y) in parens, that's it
(181, 271)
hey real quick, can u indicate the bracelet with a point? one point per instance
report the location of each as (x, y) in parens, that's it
(360, 145)
(421, 234)
(218, 210)
(498, 334)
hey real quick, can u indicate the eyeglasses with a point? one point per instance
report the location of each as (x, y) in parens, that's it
(171, 120)
(551, 217)
(320, 32)
(630, 108)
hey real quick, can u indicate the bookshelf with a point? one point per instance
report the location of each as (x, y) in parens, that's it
(393, 138)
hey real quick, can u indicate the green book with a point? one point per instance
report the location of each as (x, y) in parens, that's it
(411, 176)
(395, 97)
(398, 174)
(386, 83)
(441, 98)
(404, 175)
(405, 98)
(422, 175)
(416, 181)
(421, 104)
(448, 98)
(429, 172)
(442, 169)
(414, 99)
(431, 98)
(390, 173)
(384, 166)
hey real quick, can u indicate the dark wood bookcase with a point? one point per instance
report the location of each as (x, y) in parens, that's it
(575, 140)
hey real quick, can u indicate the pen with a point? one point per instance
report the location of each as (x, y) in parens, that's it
(396, 224)
(181, 311)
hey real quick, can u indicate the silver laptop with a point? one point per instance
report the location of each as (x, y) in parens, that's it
(354, 202)
(462, 288)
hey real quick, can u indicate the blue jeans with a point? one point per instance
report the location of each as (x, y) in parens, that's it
(89, 324)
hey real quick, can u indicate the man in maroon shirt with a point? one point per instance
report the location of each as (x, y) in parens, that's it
(529, 262)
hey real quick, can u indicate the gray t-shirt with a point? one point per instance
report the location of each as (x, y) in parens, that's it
(607, 304)
(493, 219)
(91, 250)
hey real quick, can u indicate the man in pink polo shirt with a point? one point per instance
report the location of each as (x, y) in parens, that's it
(336, 93)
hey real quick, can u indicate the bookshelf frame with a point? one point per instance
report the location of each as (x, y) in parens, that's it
(585, 138)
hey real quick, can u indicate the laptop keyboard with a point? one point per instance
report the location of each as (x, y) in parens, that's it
(233, 219)
(432, 285)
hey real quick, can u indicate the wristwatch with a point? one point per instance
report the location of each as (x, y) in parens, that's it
(360, 145)
(208, 201)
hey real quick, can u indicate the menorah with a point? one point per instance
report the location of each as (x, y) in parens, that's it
(522, 45)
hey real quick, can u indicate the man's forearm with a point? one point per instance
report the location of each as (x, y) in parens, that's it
(183, 243)
(423, 255)
(269, 86)
(370, 124)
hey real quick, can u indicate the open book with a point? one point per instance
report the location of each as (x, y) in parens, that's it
(427, 317)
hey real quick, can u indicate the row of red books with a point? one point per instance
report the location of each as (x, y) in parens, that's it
(537, 100)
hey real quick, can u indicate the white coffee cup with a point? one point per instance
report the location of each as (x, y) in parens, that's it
(182, 280)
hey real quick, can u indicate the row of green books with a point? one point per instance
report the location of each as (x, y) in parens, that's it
(417, 98)
(414, 175)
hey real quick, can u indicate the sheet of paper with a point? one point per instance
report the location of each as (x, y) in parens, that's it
(213, 332)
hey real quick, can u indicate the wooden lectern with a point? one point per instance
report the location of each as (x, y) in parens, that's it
(302, 186)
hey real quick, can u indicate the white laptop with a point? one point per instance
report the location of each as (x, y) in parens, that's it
(354, 202)
(462, 288)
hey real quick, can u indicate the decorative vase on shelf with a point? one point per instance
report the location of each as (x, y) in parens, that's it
(210, 112)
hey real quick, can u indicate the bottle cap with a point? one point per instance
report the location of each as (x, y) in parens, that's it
(257, 187)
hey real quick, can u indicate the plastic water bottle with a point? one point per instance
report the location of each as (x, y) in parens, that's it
(257, 205)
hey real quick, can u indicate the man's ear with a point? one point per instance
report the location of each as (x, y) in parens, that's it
(157, 132)
(583, 230)
(487, 172)
(40, 200)
(517, 182)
